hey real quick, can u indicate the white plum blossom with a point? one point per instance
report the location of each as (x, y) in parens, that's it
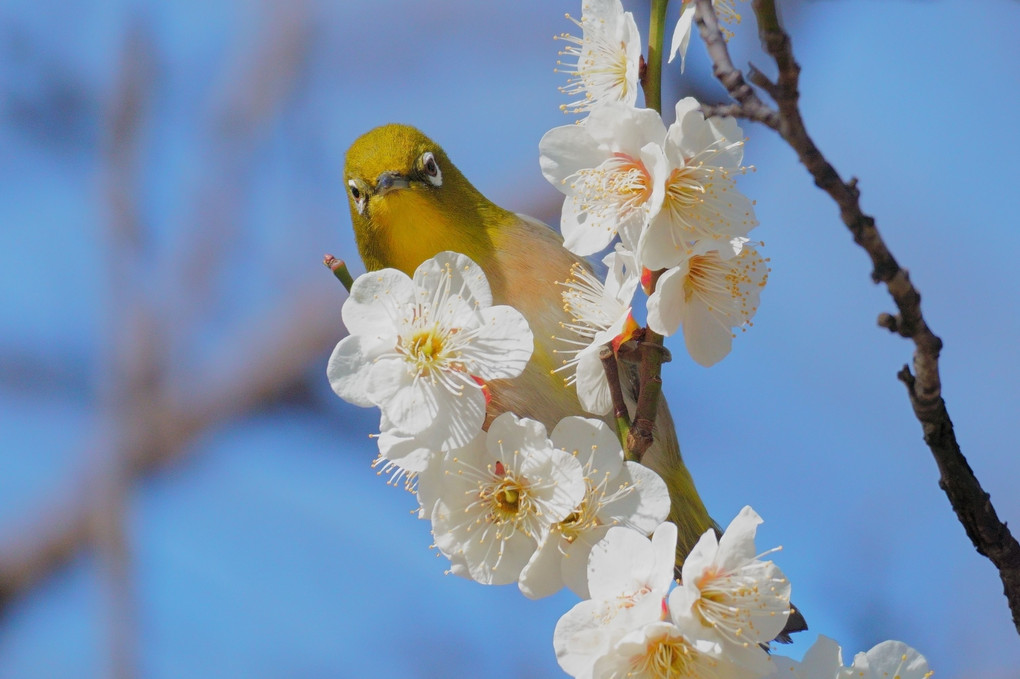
(701, 200)
(607, 56)
(612, 168)
(498, 498)
(662, 650)
(600, 314)
(617, 493)
(890, 659)
(724, 9)
(824, 660)
(710, 625)
(421, 349)
(709, 295)
(738, 600)
(629, 577)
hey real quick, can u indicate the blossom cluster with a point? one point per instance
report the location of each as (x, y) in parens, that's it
(714, 622)
(547, 510)
(510, 501)
(824, 660)
(666, 197)
(515, 502)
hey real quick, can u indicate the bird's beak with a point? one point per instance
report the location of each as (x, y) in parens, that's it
(390, 181)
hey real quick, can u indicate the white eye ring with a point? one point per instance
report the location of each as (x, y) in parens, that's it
(431, 169)
(358, 195)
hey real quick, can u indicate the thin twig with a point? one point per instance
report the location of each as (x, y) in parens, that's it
(737, 111)
(732, 79)
(652, 355)
(622, 417)
(971, 503)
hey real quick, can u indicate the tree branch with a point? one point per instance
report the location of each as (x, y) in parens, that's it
(751, 106)
(282, 343)
(971, 503)
(622, 417)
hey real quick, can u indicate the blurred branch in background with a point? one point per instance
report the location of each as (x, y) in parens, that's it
(130, 370)
(254, 90)
(971, 503)
(150, 408)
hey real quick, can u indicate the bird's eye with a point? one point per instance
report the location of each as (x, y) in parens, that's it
(431, 169)
(357, 195)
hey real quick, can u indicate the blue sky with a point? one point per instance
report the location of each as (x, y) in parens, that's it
(274, 550)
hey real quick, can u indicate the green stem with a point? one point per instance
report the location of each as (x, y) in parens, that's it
(652, 82)
(339, 269)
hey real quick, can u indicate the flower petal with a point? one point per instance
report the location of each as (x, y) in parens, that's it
(660, 245)
(574, 564)
(377, 301)
(682, 35)
(503, 345)
(464, 279)
(619, 564)
(592, 384)
(592, 442)
(350, 365)
(508, 432)
(404, 450)
(667, 304)
(737, 543)
(408, 401)
(646, 506)
(541, 576)
(564, 150)
(708, 339)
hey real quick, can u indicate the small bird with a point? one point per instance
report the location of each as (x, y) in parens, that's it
(409, 202)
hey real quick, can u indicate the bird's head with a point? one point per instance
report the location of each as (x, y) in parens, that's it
(409, 202)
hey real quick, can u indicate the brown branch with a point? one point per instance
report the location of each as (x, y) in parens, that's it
(751, 106)
(763, 116)
(150, 414)
(130, 373)
(971, 503)
(242, 111)
(620, 414)
(653, 354)
(259, 359)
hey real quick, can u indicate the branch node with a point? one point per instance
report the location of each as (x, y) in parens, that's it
(889, 322)
(852, 188)
(907, 378)
(640, 437)
(665, 356)
(761, 80)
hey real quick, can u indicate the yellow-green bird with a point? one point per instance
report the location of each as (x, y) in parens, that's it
(409, 202)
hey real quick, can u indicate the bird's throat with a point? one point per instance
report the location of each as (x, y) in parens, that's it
(412, 228)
